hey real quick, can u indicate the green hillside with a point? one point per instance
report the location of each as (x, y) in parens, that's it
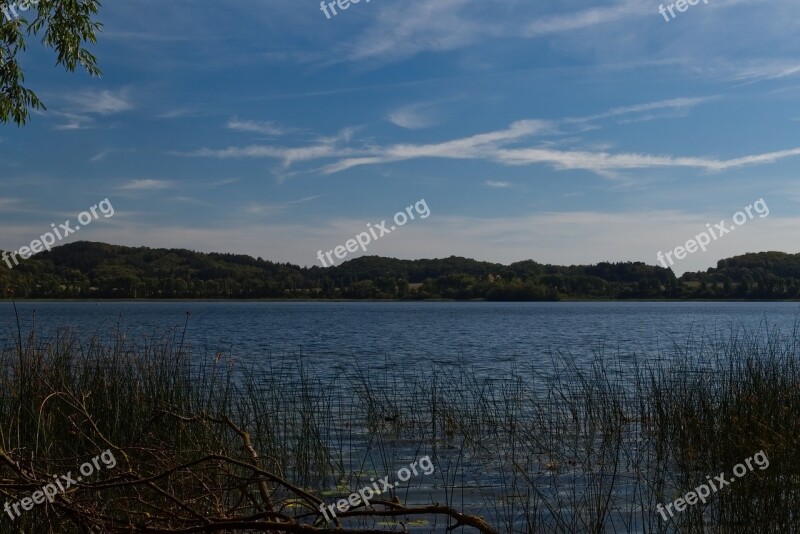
(97, 270)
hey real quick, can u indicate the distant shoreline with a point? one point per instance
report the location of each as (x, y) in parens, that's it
(392, 300)
(97, 271)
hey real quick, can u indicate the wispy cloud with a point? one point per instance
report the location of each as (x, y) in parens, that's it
(304, 199)
(145, 185)
(413, 117)
(74, 122)
(399, 32)
(680, 105)
(226, 181)
(583, 19)
(501, 146)
(603, 161)
(769, 69)
(324, 147)
(500, 185)
(490, 147)
(464, 148)
(85, 106)
(265, 209)
(100, 156)
(262, 127)
(100, 102)
(403, 31)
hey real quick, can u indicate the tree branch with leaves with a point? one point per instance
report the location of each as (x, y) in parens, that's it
(65, 26)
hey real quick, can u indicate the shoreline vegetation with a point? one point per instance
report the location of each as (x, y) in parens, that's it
(96, 271)
(206, 443)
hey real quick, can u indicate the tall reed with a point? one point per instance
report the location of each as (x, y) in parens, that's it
(584, 444)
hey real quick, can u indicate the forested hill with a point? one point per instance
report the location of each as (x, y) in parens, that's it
(97, 270)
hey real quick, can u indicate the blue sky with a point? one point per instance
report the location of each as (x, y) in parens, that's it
(564, 132)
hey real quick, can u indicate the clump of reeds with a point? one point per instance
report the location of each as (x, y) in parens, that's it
(584, 444)
(595, 444)
(201, 442)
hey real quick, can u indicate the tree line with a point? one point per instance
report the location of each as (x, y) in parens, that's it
(98, 270)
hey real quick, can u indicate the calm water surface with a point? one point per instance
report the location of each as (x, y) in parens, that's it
(486, 335)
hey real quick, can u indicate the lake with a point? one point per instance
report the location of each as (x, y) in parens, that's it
(394, 381)
(489, 336)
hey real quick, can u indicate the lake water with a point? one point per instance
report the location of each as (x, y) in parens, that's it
(485, 335)
(389, 342)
